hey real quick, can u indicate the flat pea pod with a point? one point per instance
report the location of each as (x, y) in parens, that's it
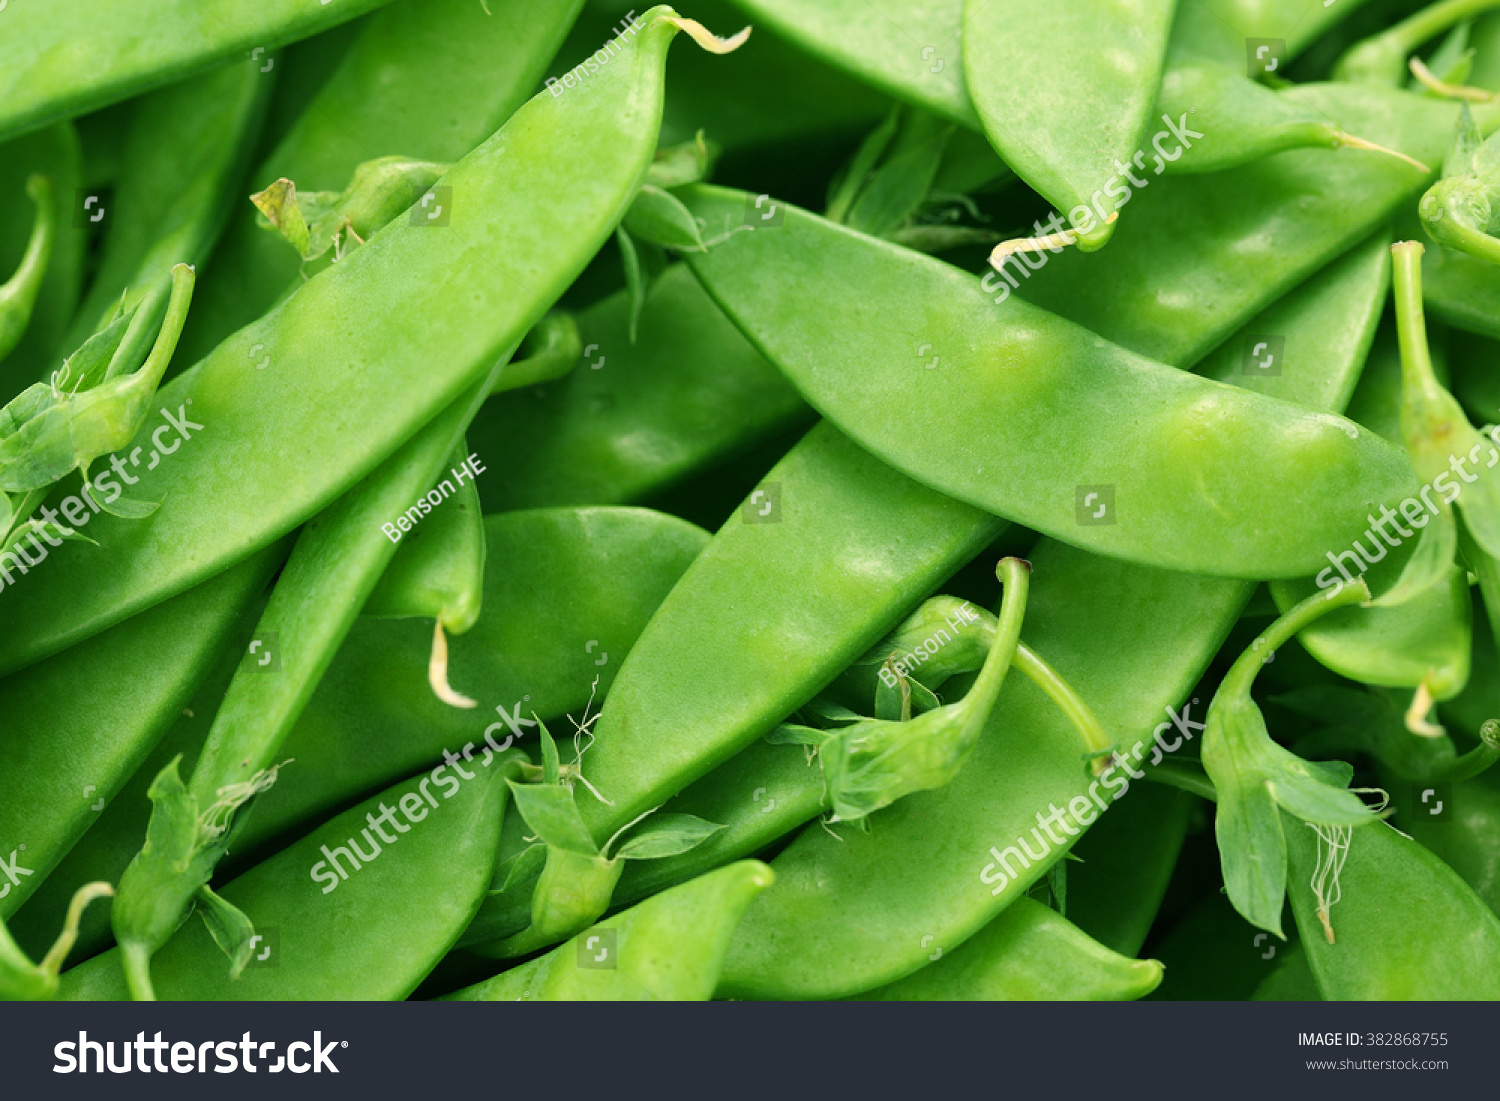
(81, 723)
(1029, 953)
(830, 577)
(1201, 253)
(633, 419)
(424, 79)
(1026, 86)
(350, 927)
(668, 948)
(1404, 925)
(847, 915)
(883, 47)
(1462, 290)
(1065, 393)
(60, 67)
(185, 152)
(18, 293)
(321, 344)
(56, 154)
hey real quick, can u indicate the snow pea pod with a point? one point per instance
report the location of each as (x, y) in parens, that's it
(61, 770)
(1382, 58)
(669, 948)
(635, 418)
(910, 49)
(318, 387)
(1026, 91)
(1028, 953)
(830, 577)
(57, 67)
(425, 79)
(1065, 392)
(1200, 254)
(365, 927)
(923, 870)
(18, 293)
(1403, 924)
(185, 152)
(54, 153)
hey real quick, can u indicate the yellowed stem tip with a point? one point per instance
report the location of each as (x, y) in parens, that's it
(437, 672)
(706, 38)
(1443, 88)
(1050, 243)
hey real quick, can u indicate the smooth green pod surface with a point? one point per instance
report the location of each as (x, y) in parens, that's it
(668, 948)
(1080, 414)
(323, 352)
(370, 932)
(1028, 953)
(1066, 118)
(58, 65)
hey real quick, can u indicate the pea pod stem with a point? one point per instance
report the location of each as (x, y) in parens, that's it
(1184, 777)
(1098, 744)
(1432, 21)
(1242, 673)
(18, 294)
(53, 961)
(1416, 362)
(1476, 761)
(1038, 245)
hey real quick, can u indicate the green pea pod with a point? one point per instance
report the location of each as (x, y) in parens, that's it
(1459, 824)
(1257, 779)
(60, 775)
(632, 419)
(1025, 85)
(1292, 981)
(894, 304)
(1028, 953)
(318, 362)
(668, 948)
(426, 79)
(1367, 937)
(1382, 58)
(20, 979)
(692, 694)
(18, 293)
(559, 613)
(58, 68)
(186, 149)
(439, 575)
(1201, 254)
(1299, 22)
(403, 887)
(909, 50)
(56, 154)
(1212, 954)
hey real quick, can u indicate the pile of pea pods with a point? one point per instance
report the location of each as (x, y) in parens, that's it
(783, 499)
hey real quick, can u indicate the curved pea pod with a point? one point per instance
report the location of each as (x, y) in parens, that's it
(1460, 209)
(56, 154)
(1127, 861)
(1256, 779)
(186, 149)
(633, 419)
(60, 67)
(1383, 919)
(20, 979)
(849, 915)
(1028, 953)
(439, 575)
(62, 767)
(1025, 64)
(1058, 384)
(910, 50)
(1201, 254)
(668, 948)
(425, 79)
(18, 293)
(320, 346)
(363, 907)
(831, 576)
